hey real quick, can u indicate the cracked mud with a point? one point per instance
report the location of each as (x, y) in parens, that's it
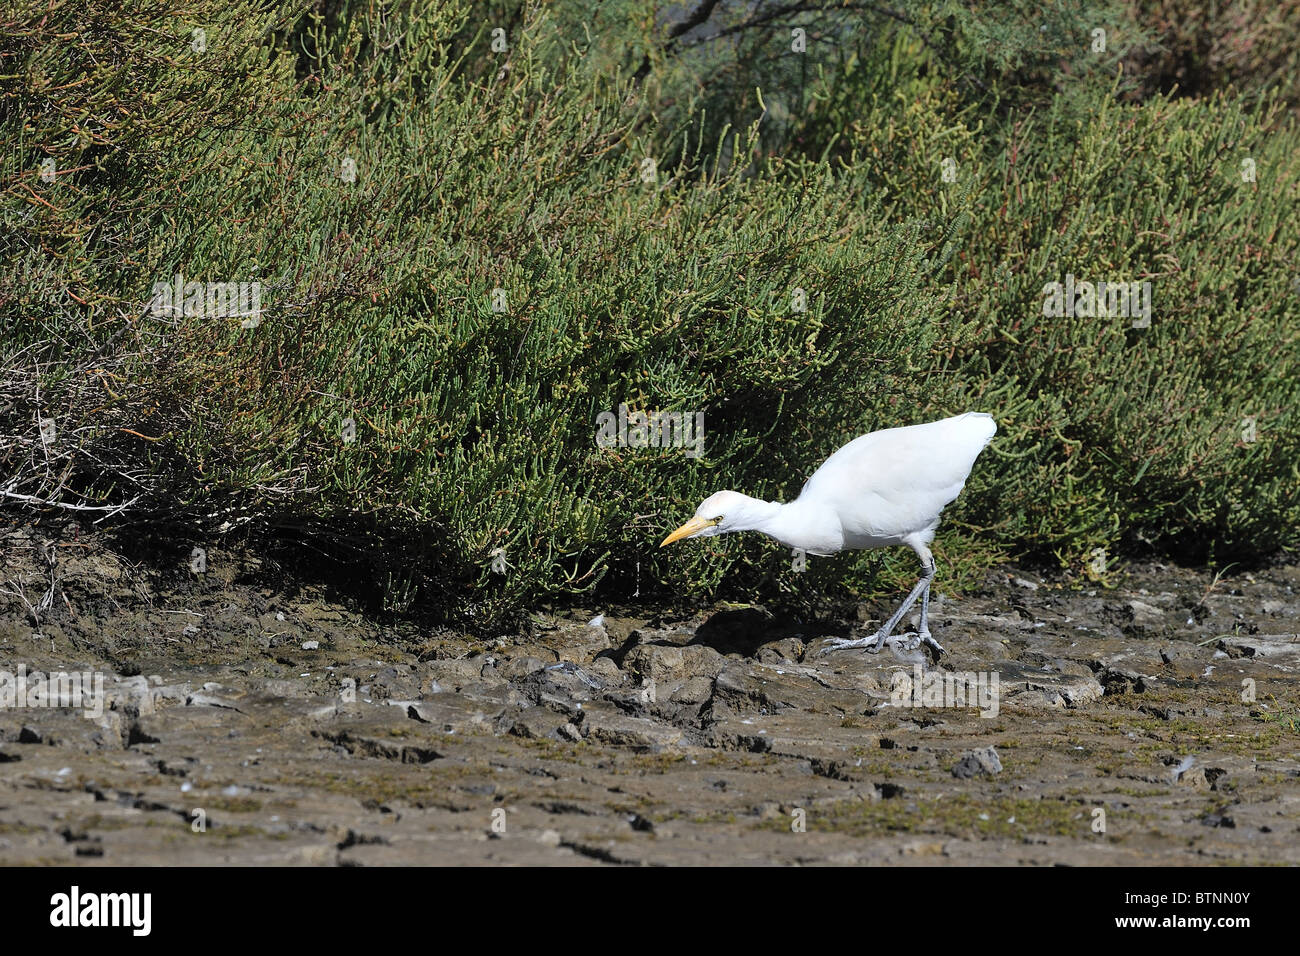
(249, 723)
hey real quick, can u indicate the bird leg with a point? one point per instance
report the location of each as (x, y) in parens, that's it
(923, 633)
(876, 641)
(922, 590)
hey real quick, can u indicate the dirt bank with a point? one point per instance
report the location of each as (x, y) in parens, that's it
(247, 719)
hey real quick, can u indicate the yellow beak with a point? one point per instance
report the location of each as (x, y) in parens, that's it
(694, 526)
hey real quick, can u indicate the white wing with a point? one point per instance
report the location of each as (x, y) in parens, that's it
(895, 482)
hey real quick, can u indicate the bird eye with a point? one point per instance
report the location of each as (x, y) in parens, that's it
(717, 519)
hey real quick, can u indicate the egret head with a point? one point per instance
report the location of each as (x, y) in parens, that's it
(718, 514)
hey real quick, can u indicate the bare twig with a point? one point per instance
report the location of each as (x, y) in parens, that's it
(46, 503)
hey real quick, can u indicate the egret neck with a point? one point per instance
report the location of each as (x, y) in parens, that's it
(797, 524)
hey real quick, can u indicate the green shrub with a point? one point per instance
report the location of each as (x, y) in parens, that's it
(525, 246)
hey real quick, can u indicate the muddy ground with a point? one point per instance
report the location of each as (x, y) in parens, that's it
(249, 722)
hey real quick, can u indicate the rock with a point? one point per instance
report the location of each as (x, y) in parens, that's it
(452, 713)
(604, 723)
(111, 721)
(185, 723)
(663, 664)
(604, 669)
(1119, 679)
(173, 693)
(1261, 645)
(395, 682)
(453, 673)
(1024, 583)
(494, 695)
(655, 662)
(199, 699)
(1144, 617)
(984, 761)
(1070, 686)
(311, 645)
(694, 690)
(134, 694)
(700, 660)
(564, 686)
(633, 701)
(1193, 778)
(30, 735)
(520, 667)
(744, 688)
(535, 723)
(579, 643)
(294, 689)
(532, 649)
(778, 652)
(372, 740)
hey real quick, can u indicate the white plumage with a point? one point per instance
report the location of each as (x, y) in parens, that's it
(882, 489)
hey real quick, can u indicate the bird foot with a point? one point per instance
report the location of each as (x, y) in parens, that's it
(872, 644)
(875, 643)
(922, 638)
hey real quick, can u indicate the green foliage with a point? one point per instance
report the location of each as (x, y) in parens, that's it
(539, 234)
(1121, 434)
(1201, 48)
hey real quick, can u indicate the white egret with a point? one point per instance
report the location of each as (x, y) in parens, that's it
(881, 489)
